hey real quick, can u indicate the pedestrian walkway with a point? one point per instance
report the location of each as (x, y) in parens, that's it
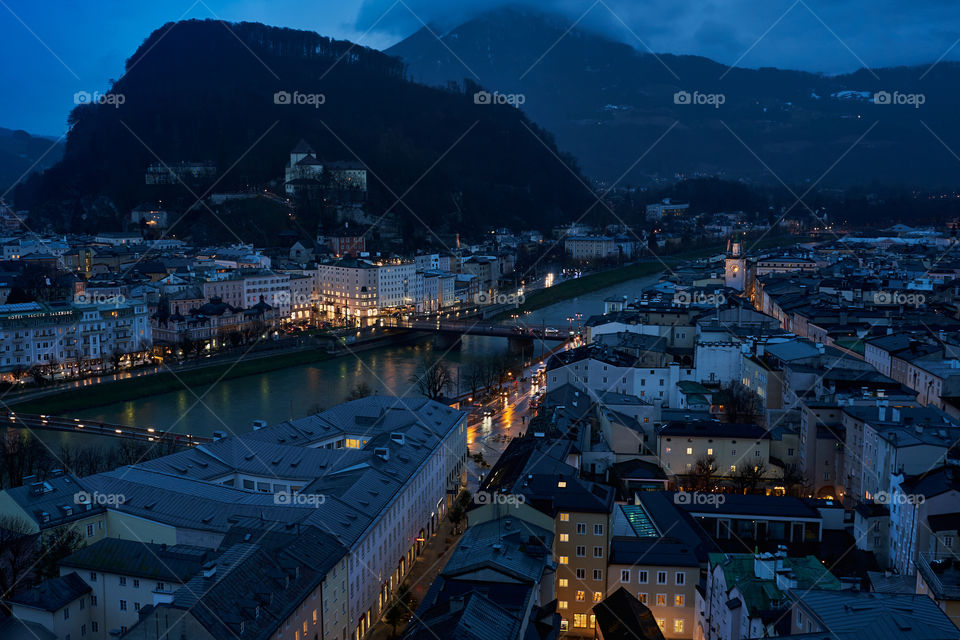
(424, 571)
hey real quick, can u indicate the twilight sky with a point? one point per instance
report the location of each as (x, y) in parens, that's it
(54, 48)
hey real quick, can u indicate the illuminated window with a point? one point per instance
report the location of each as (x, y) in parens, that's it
(678, 600)
(564, 537)
(689, 451)
(564, 582)
(661, 599)
(564, 560)
(678, 625)
(561, 604)
(597, 596)
(580, 596)
(564, 517)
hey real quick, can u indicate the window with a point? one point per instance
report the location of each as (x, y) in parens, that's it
(564, 517)
(83, 630)
(123, 581)
(582, 528)
(564, 537)
(93, 601)
(642, 597)
(564, 582)
(661, 599)
(625, 575)
(790, 452)
(561, 604)
(136, 606)
(66, 613)
(123, 605)
(598, 574)
(661, 577)
(580, 596)
(642, 577)
(597, 596)
(598, 552)
(948, 542)
(83, 603)
(598, 529)
(581, 574)
(94, 626)
(678, 600)
(680, 578)
(756, 453)
(89, 530)
(678, 625)
(564, 559)
(93, 576)
(580, 620)
(136, 583)
(581, 551)
(689, 451)
(662, 623)
(733, 452)
(709, 452)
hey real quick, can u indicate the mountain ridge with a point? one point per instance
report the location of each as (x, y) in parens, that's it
(607, 102)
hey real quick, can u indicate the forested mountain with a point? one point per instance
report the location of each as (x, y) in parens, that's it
(204, 91)
(22, 153)
(608, 102)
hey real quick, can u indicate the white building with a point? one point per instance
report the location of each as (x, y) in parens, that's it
(38, 334)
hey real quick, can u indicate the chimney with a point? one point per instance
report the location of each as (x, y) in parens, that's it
(209, 569)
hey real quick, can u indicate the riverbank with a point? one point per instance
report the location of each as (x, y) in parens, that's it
(656, 264)
(101, 394)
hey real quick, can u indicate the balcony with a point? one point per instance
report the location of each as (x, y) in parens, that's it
(941, 572)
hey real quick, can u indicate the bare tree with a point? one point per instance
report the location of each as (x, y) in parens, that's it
(433, 377)
(794, 481)
(359, 390)
(740, 404)
(18, 554)
(702, 476)
(55, 545)
(748, 476)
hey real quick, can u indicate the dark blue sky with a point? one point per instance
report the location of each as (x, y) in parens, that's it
(54, 48)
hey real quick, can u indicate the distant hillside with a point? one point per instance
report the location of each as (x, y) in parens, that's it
(606, 102)
(19, 151)
(199, 92)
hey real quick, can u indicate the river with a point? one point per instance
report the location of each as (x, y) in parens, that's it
(231, 405)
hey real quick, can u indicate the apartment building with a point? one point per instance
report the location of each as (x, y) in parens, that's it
(396, 285)
(63, 333)
(125, 576)
(681, 444)
(746, 593)
(374, 475)
(349, 290)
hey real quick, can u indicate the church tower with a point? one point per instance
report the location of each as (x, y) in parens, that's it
(735, 272)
